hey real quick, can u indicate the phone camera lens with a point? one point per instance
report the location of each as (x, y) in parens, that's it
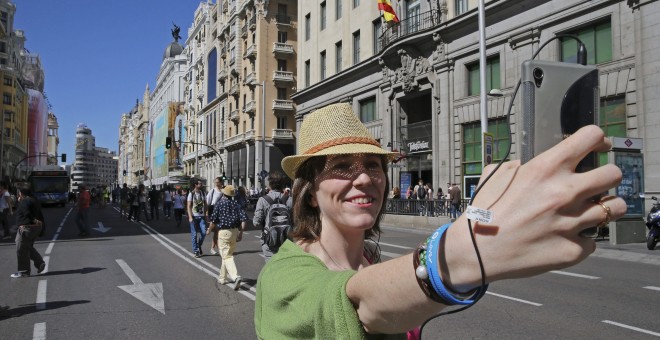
(538, 74)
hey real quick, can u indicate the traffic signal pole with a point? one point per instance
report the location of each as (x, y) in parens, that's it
(168, 145)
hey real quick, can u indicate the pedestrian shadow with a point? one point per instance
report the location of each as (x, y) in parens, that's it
(31, 308)
(247, 252)
(86, 270)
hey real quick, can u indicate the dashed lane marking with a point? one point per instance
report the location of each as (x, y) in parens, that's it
(652, 288)
(560, 272)
(39, 331)
(41, 295)
(515, 299)
(632, 328)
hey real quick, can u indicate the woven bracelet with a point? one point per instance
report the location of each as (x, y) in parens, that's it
(422, 276)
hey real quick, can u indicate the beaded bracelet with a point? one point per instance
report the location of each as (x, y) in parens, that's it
(430, 272)
(419, 263)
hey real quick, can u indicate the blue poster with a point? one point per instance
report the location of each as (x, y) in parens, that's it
(406, 180)
(632, 183)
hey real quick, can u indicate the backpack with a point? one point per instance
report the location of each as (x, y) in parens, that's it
(278, 222)
(421, 192)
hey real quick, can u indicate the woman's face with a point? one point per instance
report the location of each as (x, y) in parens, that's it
(349, 191)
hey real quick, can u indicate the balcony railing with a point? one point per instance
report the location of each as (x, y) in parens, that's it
(249, 78)
(234, 115)
(409, 26)
(250, 106)
(285, 48)
(283, 76)
(249, 135)
(251, 51)
(234, 140)
(283, 133)
(283, 19)
(233, 90)
(282, 104)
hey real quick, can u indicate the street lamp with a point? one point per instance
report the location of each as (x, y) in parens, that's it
(262, 158)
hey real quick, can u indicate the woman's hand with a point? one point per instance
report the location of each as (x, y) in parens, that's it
(539, 209)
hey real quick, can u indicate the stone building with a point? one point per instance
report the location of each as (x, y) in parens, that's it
(93, 166)
(415, 84)
(53, 139)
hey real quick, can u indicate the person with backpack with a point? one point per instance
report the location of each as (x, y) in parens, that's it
(227, 217)
(196, 217)
(154, 197)
(273, 215)
(212, 197)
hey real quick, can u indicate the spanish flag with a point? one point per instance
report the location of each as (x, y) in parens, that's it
(388, 11)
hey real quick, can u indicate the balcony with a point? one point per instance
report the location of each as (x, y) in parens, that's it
(250, 52)
(244, 31)
(283, 76)
(249, 78)
(253, 22)
(282, 19)
(239, 138)
(234, 115)
(282, 134)
(222, 74)
(249, 135)
(233, 90)
(282, 48)
(409, 26)
(283, 105)
(250, 107)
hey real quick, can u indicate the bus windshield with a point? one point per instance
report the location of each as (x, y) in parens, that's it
(50, 184)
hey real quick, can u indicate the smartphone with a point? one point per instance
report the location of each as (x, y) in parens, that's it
(557, 100)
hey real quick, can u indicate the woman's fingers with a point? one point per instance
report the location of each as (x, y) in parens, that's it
(597, 181)
(609, 208)
(574, 148)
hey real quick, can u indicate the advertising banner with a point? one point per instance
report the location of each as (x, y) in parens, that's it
(159, 165)
(632, 167)
(176, 130)
(37, 128)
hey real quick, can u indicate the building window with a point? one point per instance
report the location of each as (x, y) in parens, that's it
(281, 93)
(282, 37)
(322, 17)
(376, 36)
(368, 110)
(6, 98)
(308, 24)
(281, 64)
(3, 47)
(461, 6)
(281, 122)
(211, 77)
(596, 38)
(307, 71)
(338, 9)
(8, 81)
(322, 65)
(356, 3)
(612, 119)
(472, 144)
(356, 47)
(492, 76)
(338, 58)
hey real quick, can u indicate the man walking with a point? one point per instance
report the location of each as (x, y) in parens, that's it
(82, 218)
(123, 200)
(6, 209)
(29, 219)
(196, 217)
(228, 216)
(276, 182)
(154, 197)
(455, 197)
(212, 198)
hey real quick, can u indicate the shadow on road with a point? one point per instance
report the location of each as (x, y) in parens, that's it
(31, 308)
(86, 270)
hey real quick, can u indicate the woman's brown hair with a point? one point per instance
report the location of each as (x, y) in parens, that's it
(306, 218)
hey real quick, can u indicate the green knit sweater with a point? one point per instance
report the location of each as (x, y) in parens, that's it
(298, 297)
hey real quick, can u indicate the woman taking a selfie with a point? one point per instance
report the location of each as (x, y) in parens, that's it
(329, 283)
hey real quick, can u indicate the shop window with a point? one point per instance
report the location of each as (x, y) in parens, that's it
(612, 119)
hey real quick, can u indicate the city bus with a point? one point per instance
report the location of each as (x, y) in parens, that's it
(50, 186)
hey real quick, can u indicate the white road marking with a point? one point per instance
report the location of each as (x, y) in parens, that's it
(186, 257)
(515, 299)
(388, 254)
(394, 245)
(560, 272)
(39, 331)
(149, 293)
(652, 288)
(57, 233)
(41, 294)
(631, 328)
(47, 261)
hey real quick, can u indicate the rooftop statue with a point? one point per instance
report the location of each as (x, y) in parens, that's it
(175, 32)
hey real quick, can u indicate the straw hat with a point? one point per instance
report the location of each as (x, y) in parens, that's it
(229, 190)
(332, 130)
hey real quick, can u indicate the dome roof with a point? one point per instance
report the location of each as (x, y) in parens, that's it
(172, 50)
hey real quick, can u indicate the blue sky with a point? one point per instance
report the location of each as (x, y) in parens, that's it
(98, 57)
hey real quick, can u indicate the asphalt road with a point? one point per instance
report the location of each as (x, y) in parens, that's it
(139, 281)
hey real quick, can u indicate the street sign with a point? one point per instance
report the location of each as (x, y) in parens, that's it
(263, 174)
(488, 148)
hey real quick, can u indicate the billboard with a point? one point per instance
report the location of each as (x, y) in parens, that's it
(37, 128)
(175, 130)
(159, 130)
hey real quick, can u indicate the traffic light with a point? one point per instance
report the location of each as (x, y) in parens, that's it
(168, 142)
(124, 173)
(224, 178)
(63, 157)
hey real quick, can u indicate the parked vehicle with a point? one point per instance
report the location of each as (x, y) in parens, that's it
(653, 223)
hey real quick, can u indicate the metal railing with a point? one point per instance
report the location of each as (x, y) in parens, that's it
(431, 208)
(279, 47)
(409, 26)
